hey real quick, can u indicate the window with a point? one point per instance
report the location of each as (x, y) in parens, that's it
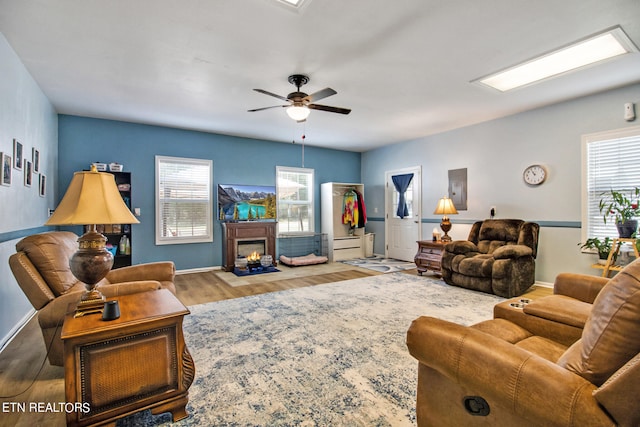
(294, 188)
(184, 206)
(611, 161)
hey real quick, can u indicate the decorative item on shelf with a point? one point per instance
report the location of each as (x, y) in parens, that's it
(115, 167)
(436, 235)
(445, 207)
(92, 198)
(602, 246)
(124, 187)
(100, 167)
(623, 207)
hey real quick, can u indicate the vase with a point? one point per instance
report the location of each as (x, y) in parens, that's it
(627, 228)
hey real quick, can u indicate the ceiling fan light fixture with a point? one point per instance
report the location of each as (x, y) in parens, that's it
(298, 112)
(596, 48)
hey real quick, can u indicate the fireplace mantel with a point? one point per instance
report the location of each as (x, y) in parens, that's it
(246, 230)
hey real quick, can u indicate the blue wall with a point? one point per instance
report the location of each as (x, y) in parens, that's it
(235, 161)
(26, 115)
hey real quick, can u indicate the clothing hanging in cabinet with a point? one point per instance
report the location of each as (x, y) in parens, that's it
(354, 212)
(350, 208)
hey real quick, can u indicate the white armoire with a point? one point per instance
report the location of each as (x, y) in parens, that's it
(344, 242)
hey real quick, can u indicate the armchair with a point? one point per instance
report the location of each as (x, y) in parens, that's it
(41, 268)
(499, 373)
(498, 257)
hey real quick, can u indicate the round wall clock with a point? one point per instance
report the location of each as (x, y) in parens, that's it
(534, 175)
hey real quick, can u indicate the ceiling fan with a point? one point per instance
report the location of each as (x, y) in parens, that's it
(299, 103)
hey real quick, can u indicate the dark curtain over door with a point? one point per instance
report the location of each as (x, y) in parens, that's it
(401, 183)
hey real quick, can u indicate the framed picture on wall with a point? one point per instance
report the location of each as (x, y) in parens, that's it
(28, 172)
(5, 178)
(35, 158)
(17, 154)
(42, 185)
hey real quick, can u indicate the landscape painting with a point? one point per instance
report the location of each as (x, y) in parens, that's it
(246, 202)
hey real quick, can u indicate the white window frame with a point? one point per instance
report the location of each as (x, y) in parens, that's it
(172, 240)
(310, 203)
(592, 222)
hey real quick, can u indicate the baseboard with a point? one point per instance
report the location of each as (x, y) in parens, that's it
(17, 328)
(544, 284)
(198, 270)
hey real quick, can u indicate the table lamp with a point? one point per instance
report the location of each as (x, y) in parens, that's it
(445, 207)
(92, 198)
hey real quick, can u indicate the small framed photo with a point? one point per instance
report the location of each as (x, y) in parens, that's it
(28, 173)
(7, 166)
(42, 185)
(17, 154)
(35, 158)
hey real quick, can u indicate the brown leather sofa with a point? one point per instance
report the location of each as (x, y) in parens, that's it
(498, 257)
(41, 268)
(501, 373)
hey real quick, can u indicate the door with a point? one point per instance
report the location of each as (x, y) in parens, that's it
(401, 234)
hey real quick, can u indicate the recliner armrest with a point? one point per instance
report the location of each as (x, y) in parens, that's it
(464, 247)
(579, 286)
(163, 271)
(538, 390)
(512, 251)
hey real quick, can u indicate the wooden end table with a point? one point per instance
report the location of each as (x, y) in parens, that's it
(429, 256)
(136, 362)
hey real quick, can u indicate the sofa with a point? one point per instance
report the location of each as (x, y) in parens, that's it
(523, 370)
(41, 268)
(498, 257)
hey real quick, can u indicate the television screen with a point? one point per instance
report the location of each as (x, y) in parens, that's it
(246, 202)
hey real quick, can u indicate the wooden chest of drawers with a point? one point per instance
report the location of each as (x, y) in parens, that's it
(429, 256)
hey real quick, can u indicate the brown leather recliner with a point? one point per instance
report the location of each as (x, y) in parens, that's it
(499, 373)
(498, 257)
(41, 268)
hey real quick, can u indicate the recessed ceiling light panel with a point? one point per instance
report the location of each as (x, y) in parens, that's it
(591, 50)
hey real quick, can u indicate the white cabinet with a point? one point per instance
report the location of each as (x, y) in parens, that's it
(344, 241)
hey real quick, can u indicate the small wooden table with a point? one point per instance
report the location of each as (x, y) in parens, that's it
(139, 361)
(429, 256)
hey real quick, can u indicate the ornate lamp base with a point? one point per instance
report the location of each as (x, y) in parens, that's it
(91, 264)
(445, 225)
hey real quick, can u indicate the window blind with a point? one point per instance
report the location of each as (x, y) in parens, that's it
(183, 200)
(612, 162)
(294, 188)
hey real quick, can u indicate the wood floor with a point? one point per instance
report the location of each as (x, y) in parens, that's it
(23, 359)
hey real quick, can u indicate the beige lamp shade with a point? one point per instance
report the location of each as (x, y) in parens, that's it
(92, 198)
(445, 207)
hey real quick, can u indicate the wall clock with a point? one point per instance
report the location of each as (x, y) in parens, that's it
(534, 174)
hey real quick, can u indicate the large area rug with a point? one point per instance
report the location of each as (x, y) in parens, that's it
(327, 355)
(381, 264)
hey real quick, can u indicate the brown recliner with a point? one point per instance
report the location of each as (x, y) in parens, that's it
(499, 373)
(41, 268)
(498, 257)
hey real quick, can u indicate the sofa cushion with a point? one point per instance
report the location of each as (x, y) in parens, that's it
(477, 266)
(50, 253)
(611, 335)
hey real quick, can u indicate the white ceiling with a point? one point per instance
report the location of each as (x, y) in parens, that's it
(404, 67)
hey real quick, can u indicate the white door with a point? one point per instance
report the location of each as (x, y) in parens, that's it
(401, 234)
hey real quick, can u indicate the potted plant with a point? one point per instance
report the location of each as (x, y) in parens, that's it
(623, 207)
(602, 246)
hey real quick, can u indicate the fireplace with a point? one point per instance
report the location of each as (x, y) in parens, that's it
(244, 238)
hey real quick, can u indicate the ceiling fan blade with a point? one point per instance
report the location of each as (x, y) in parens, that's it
(330, 109)
(320, 94)
(271, 94)
(266, 108)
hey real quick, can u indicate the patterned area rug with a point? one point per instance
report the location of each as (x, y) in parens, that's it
(331, 354)
(383, 265)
